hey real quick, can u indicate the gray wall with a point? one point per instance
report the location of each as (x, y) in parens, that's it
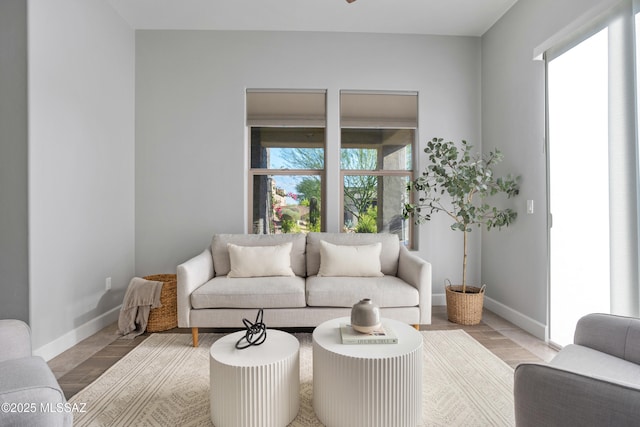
(81, 160)
(188, 165)
(14, 251)
(514, 261)
(191, 150)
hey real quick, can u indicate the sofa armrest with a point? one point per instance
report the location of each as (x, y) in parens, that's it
(618, 336)
(191, 275)
(15, 336)
(548, 396)
(417, 272)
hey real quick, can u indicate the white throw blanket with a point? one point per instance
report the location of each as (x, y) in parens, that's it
(142, 295)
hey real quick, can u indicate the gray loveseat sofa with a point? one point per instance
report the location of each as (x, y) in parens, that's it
(29, 392)
(208, 297)
(593, 382)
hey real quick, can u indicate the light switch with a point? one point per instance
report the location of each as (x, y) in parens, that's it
(529, 207)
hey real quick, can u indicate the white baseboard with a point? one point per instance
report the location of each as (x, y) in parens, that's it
(530, 325)
(73, 337)
(534, 327)
(438, 299)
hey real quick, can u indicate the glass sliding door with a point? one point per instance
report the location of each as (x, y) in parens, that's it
(578, 100)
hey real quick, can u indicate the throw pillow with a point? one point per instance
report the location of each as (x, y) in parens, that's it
(353, 261)
(260, 261)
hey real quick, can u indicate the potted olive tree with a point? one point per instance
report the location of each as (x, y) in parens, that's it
(458, 183)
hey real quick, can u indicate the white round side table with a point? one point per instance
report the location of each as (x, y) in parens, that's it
(257, 386)
(368, 385)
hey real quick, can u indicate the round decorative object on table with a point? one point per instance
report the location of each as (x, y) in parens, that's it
(367, 385)
(256, 386)
(164, 317)
(365, 316)
(255, 333)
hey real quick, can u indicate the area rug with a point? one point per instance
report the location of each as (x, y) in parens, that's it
(165, 382)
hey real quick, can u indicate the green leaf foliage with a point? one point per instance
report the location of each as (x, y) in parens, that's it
(459, 183)
(468, 180)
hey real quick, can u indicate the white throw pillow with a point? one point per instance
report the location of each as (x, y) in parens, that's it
(260, 261)
(353, 261)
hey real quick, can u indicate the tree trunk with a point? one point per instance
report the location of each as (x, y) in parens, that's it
(464, 263)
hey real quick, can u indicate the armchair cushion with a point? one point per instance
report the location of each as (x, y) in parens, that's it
(596, 364)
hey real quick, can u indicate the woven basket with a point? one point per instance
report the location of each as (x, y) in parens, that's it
(166, 316)
(464, 308)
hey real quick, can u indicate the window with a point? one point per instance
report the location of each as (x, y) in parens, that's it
(378, 132)
(376, 167)
(287, 139)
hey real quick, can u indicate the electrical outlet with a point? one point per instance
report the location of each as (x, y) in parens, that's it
(107, 284)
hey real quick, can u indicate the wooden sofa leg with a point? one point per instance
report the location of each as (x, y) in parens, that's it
(417, 327)
(194, 334)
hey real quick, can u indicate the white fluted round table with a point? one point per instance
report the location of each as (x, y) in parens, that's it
(367, 385)
(257, 386)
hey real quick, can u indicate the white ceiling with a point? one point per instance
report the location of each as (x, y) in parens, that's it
(443, 17)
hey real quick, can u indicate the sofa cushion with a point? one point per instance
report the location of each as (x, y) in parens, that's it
(348, 260)
(220, 251)
(253, 292)
(596, 364)
(260, 261)
(388, 255)
(386, 291)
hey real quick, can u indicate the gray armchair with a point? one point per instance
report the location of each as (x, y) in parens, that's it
(593, 382)
(29, 392)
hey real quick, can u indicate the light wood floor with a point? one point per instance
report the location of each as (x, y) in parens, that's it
(84, 363)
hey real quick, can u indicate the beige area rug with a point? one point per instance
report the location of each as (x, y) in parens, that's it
(165, 382)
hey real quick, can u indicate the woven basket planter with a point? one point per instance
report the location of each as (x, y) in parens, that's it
(166, 316)
(464, 308)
